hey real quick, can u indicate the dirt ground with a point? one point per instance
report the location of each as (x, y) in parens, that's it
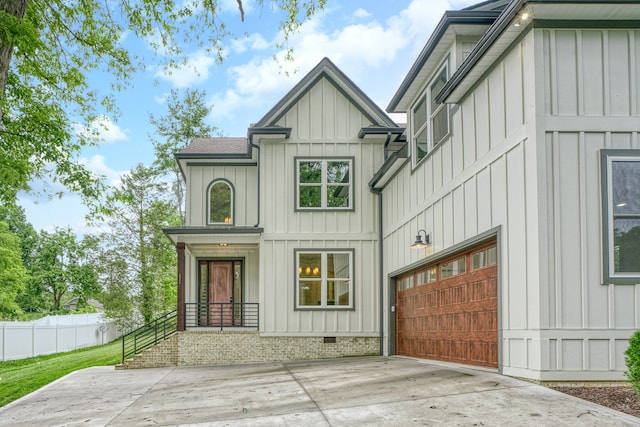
(620, 398)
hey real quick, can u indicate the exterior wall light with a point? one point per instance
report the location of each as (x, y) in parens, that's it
(419, 244)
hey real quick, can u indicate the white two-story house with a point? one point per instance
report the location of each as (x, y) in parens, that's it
(500, 228)
(280, 249)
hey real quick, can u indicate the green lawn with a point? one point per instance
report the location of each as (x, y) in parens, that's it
(21, 377)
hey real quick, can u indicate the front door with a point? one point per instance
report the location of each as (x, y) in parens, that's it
(220, 293)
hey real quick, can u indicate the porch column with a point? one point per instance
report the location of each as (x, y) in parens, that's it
(180, 252)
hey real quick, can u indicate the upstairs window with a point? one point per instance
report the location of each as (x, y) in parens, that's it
(220, 197)
(429, 120)
(324, 184)
(621, 215)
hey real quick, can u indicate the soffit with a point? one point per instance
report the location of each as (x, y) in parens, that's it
(504, 32)
(429, 60)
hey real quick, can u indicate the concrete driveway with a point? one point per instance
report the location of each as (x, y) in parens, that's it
(367, 391)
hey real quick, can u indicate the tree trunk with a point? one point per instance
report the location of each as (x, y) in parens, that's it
(16, 8)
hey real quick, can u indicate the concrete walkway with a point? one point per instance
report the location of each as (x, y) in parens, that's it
(371, 391)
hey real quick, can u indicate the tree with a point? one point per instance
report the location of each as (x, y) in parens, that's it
(61, 267)
(13, 274)
(16, 219)
(184, 122)
(138, 211)
(117, 297)
(47, 49)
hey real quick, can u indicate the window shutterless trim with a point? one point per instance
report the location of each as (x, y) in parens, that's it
(428, 97)
(232, 201)
(607, 156)
(351, 306)
(324, 159)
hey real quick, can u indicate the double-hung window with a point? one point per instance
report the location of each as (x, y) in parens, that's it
(430, 120)
(324, 184)
(324, 279)
(620, 172)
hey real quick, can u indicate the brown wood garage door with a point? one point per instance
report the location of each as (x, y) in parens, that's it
(448, 311)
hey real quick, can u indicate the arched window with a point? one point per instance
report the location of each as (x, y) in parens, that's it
(220, 202)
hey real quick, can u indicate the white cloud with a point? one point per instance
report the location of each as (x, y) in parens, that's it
(254, 41)
(97, 164)
(366, 50)
(195, 70)
(101, 129)
(361, 13)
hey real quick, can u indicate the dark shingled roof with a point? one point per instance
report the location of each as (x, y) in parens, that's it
(217, 146)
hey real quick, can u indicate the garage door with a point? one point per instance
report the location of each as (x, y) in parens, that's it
(448, 311)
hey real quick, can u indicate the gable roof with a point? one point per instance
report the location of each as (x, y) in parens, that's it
(451, 23)
(328, 70)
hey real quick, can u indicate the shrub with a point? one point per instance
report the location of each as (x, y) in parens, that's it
(632, 358)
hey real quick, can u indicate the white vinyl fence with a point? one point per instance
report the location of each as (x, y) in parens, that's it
(54, 334)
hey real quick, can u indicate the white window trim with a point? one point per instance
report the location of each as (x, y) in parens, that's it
(324, 184)
(323, 279)
(607, 158)
(426, 96)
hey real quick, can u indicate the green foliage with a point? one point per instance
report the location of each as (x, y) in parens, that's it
(632, 359)
(61, 267)
(139, 263)
(13, 274)
(47, 49)
(16, 218)
(21, 377)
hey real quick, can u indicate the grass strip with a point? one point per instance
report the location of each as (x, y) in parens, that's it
(20, 377)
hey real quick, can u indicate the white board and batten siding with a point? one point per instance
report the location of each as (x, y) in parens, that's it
(523, 155)
(324, 123)
(243, 178)
(482, 177)
(591, 80)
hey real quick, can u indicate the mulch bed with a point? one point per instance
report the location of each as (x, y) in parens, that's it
(620, 398)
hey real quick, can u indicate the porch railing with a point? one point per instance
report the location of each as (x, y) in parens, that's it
(149, 335)
(222, 315)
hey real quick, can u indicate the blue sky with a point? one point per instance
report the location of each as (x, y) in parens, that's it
(374, 42)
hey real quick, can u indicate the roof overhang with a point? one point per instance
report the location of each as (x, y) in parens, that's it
(215, 235)
(267, 132)
(389, 168)
(509, 26)
(452, 24)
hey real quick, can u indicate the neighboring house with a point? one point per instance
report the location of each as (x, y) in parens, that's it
(519, 166)
(72, 304)
(281, 229)
(524, 170)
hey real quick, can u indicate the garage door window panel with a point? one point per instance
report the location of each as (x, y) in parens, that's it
(484, 258)
(452, 268)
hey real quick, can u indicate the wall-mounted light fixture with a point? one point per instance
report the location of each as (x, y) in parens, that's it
(523, 18)
(418, 244)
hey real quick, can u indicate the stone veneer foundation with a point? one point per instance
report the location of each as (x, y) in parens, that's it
(190, 348)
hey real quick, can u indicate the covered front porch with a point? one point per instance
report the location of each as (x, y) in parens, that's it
(218, 277)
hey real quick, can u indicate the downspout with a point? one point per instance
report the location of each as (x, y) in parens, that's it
(380, 268)
(381, 254)
(257, 147)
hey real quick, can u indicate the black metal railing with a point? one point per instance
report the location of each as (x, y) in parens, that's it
(222, 315)
(149, 335)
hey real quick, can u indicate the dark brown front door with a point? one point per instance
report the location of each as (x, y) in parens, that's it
(220, 293)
